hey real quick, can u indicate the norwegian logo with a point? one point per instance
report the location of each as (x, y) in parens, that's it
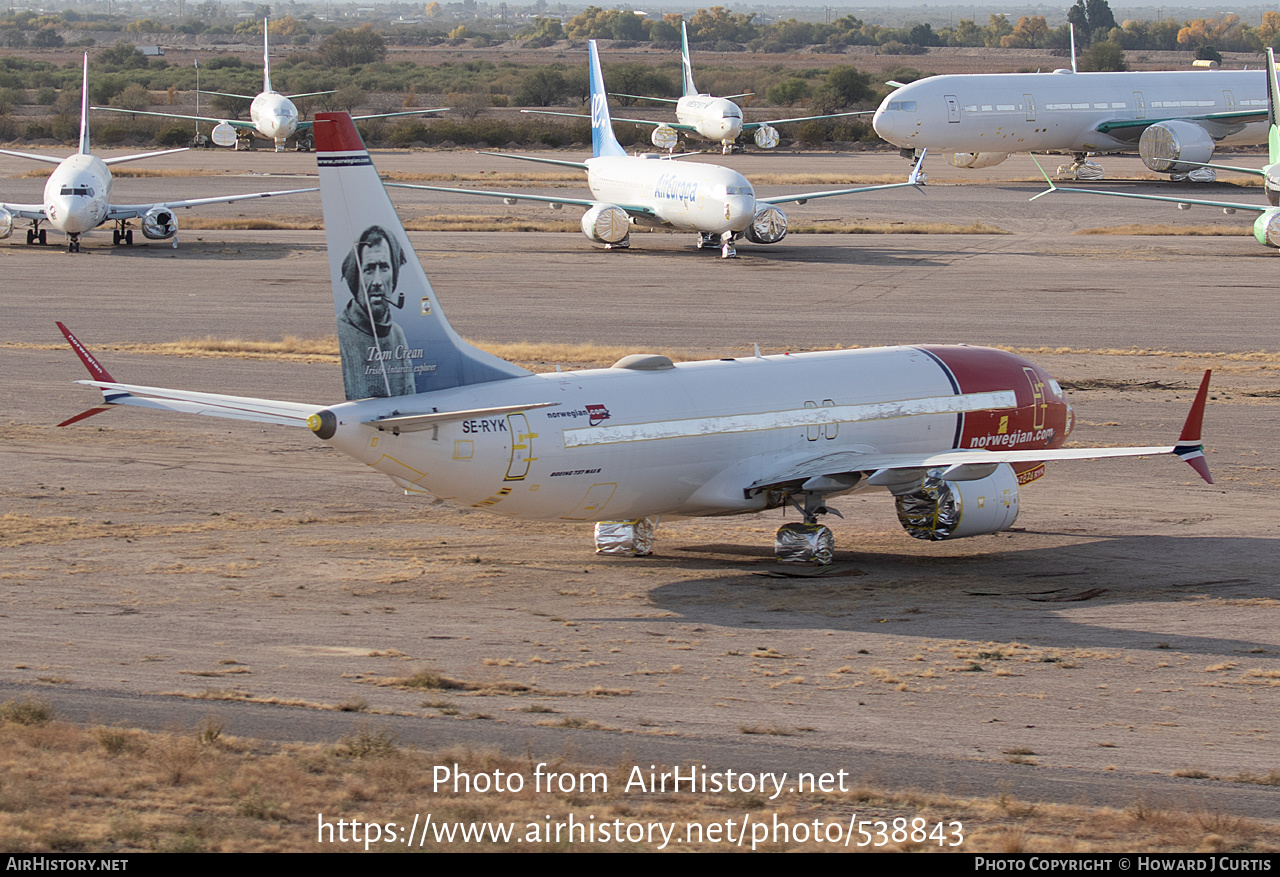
(598, 414)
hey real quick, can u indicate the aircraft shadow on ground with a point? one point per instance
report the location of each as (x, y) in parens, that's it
(972, 593)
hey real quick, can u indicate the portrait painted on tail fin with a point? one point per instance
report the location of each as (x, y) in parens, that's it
(377, 359)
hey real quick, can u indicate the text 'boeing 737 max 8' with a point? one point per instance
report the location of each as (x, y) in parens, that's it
(952, 432)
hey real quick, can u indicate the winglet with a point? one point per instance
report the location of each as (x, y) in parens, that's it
(96, 371)
(1189, 447)
(84, 109)
(1052, 188)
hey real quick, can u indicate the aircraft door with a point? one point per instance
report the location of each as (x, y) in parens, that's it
(1139, 105)
(521, 447)
(953, 107)
(1037, 397)
(1229, 99)
(1031, 107)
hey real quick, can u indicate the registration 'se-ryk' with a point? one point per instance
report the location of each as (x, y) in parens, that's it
(952, 432)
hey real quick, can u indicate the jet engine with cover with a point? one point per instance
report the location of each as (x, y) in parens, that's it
(6, 224)
(606, 224)
(940, 509)
(768, 227)
(1165, 146)
(159, 224)
(975, 160)
(767, 137)
(1266, 228)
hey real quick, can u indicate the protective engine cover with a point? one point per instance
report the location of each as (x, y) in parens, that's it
(606, 224)
(664, 137)
(977, 160)
(159, 224)
(1266, 228)
(768, 227)
(6, 224)
(766, 137)
(1163, 145)
(941, 510)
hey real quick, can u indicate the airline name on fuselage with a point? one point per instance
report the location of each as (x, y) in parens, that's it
(1012, 438)
(671, 187)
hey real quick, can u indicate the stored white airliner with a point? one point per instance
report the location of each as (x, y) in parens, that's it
(717, 119)
(716, 202)
(272, 115)
(1266, 228)
(979, 119)
(951, 431)
(77, 196)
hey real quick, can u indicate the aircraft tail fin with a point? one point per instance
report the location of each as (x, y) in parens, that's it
(393, 335)
(84, 109)
(266, 58)
(1273, 109)
(603, 141)
(686, 66)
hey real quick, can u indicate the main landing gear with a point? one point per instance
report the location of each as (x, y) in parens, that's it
(723, 241)
(37, 235)
(122, 236)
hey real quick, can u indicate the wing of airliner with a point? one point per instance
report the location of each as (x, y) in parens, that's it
(888, 469)
(746, 126)
(1168, 199)
(1131, 129)
(512, 197)
(240, 123)
(913, 180)
(137, 211)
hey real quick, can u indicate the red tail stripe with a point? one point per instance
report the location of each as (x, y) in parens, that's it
(335, 132)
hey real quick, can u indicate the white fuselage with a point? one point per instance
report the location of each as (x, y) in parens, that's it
(274, 116)
(691, 197)
(714, 118)
(77, 194)
(622, 443)
(1062, 111)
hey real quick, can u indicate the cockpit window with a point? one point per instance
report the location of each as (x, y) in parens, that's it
(737, 190)
(76, 190)
(907, 106)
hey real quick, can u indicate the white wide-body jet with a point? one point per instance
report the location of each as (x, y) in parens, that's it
(77, 196)
(272, 116)
(953, 432)
(717, 203)
(713, 118)
(978, 120)
(1266, 227)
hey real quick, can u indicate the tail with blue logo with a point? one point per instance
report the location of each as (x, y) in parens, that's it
(603, 142)
(686, 65)
(392, 334)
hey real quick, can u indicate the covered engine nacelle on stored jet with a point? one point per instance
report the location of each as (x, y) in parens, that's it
(1266, 228)
(767, 137)
(975, 160)
(941, 509)
(159, 224)
(6, 224)
(768, 227)
(1164, 145)
(606, 224)
(664, 137)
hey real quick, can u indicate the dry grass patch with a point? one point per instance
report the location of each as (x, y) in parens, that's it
(1141, 229)
(429, 680)
(895, 228)
(246, 224)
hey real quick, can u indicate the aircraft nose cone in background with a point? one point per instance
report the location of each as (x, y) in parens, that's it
(883, 122)
(730, 118)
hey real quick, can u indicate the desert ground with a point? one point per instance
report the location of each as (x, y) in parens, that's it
(1122, 637)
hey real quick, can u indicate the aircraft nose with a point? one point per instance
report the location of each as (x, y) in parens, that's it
(739, 211)
(882, 122)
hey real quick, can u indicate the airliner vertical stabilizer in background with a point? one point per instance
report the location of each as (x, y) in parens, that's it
(1172, 119)
(272, 116)
(77, 196)
(952, 432)
(716, 202)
